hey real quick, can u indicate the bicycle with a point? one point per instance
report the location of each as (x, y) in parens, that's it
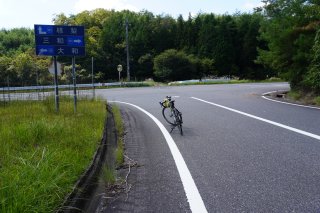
(171, 114)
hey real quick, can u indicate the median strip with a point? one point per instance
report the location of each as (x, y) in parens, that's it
(262, 119)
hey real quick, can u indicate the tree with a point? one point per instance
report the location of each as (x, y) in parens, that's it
(313, 77)
(289, 29)
(146, 65)
(173, 65)
(4, 72)
(246, 46)
(22, 66)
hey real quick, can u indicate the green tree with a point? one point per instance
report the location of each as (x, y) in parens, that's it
(146, 66)
(289, 29)
(173, 65)
(246, 46)
(4, 70)
(313, 77)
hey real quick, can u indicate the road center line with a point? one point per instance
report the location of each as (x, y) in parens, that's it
(194, 198)
(262, 119)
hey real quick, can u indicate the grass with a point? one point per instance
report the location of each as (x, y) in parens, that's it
(317, 100)
(109, 171)
(109, 175)
(304, 98)
(294, 95)
(43, 153)
(119, 152)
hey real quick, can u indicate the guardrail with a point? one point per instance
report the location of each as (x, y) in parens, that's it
(65, 86)
(41, 92)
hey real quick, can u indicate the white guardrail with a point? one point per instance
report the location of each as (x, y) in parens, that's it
(66, 86)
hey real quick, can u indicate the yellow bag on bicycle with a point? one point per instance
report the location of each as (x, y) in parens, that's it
(166, 103)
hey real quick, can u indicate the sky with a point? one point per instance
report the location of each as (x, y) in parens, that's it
(26, 13)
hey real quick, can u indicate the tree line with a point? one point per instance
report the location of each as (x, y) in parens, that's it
(279, 39)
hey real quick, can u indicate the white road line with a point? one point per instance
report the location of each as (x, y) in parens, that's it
(264, 120)
(299, 105)
(194, 198)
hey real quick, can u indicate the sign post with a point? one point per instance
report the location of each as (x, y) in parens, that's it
(56, 88)
(59, 40)
(74, 83)
(119, 68)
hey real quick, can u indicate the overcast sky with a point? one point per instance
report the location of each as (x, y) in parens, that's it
(26, 13)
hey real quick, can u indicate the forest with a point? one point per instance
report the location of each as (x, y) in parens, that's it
(280, 39)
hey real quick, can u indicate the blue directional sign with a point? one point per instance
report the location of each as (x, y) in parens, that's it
(58, 30)
(47, 50)
(60, 40)
(57, 40)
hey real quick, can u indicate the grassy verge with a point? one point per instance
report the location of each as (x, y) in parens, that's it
(120, 133)
(304, 98)
(109, 174)
(43, 153)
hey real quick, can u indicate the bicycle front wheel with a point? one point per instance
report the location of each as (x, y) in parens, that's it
(169, 116)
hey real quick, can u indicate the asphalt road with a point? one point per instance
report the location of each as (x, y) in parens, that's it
(244, 153)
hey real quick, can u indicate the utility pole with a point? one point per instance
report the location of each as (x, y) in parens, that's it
(127, 47)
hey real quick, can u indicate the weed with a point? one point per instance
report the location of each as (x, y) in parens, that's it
(109, 175)
(120, 132)
(43, 153)
(295, 95)
(317, 100)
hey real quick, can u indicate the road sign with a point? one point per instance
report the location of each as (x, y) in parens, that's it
(43, 30)
(57, 40)
(60, 40)
(119, 68)
(50, 50)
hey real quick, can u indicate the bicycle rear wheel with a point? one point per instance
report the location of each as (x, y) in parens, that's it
(178, 119)
(168, 115)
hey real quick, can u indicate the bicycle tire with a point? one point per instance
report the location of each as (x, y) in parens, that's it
(168, 115)
(178, 119)
(180, 129)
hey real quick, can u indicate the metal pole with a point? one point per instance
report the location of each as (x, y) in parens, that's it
(74, 83)
(127, 45)
(93, 92)
(56, 83)
(38, 83)
(119, 76)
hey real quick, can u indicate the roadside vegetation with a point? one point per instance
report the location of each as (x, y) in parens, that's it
(43, 153)
(303, 98)
(117, 159)
(278, 39)
(119, 153)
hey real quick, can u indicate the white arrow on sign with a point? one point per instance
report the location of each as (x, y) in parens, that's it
(42, 51)
(77, 41)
